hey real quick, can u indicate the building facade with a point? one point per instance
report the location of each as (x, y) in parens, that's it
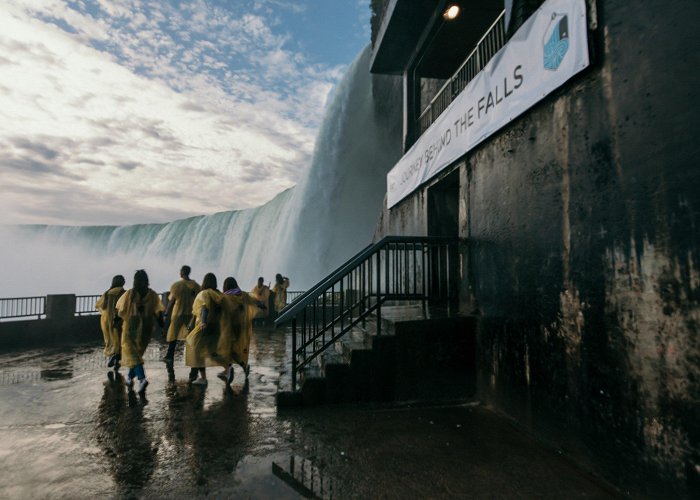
(578, 209)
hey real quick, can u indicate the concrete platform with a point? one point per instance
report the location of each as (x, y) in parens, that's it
(70, 431)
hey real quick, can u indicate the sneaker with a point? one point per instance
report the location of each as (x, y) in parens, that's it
(128, 380)
(111, 362)
(142, 385)
(200, 381)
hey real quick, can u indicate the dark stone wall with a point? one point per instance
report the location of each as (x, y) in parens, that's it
(34, 333)
(583, 258)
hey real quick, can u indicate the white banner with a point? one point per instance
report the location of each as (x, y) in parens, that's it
(550, 48)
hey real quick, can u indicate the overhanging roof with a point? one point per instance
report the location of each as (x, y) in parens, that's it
(447, 43)
(402, 26)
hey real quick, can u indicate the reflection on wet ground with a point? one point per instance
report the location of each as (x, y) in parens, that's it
(71, 429)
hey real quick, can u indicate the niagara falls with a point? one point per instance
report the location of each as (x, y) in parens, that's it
(304, 231)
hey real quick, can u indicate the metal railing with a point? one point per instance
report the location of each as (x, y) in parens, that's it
(85, 304)
(22, 307)
(397, 268)
(293, 295)
(493, 40)
(27, 307)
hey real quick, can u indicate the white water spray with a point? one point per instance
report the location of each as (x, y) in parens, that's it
(303, 232)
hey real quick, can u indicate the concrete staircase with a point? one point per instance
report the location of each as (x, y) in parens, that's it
(421, 355)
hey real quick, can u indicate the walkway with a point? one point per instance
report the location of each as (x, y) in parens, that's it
(69, 431)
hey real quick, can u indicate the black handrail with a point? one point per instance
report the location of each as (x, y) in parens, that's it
(397, 268)
(308, 296)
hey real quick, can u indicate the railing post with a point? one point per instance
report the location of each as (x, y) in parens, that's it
(294, 354)
(379, 286)
(60, 307)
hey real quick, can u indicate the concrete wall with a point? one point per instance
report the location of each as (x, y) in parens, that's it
(584, 259)
(59, 327)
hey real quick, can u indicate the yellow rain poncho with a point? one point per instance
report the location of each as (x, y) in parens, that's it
(262, 294)
(226, 338)
(139, 316)
(107, 304)
(183, 293)
(280, 291)
(244, 307)
(202, 345)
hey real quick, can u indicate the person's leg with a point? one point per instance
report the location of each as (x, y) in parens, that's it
(170, 355)
(227, 375)
(141, 374)
(202, 380)
(193, 374)
(130, 376)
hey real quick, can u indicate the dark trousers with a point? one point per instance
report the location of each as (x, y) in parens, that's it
(171, 349)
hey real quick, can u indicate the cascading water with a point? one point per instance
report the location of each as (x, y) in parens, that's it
(303, 232)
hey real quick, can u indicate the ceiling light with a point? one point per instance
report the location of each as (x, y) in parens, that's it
(451, 12)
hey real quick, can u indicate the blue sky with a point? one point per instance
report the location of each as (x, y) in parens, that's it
(125, 111)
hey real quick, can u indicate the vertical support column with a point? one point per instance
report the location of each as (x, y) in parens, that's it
(379, 293)
(294, 354)
(410, 111)
(60, 307)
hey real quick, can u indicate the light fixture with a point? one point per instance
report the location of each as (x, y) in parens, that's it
(451, 12)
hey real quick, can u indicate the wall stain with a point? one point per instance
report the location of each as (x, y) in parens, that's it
(648, 296)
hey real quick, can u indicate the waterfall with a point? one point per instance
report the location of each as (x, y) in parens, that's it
(304, 232)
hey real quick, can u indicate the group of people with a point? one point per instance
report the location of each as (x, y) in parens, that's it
(216, 325)
(275, 298)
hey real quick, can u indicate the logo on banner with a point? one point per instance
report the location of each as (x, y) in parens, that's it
(556, 43)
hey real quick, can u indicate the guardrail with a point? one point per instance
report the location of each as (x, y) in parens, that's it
(22, 307)
(85, 305)
(493, 40)
(28, 307)
(293, 295)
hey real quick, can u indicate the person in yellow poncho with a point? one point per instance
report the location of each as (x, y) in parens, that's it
(139, 309)
(222, 330)
(280, 291)
(262, 293)
(242, 308)
(107, 304)
(179, 312)
(202, 342)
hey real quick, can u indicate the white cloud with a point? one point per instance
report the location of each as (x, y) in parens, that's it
(157, 113)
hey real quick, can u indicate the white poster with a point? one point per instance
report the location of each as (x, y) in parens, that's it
(550, 48)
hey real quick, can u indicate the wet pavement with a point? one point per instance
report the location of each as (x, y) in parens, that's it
(69, 428)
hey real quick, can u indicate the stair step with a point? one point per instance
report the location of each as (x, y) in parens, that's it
(331, 357)
(410, 359)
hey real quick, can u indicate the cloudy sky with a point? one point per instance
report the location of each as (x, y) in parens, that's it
(124, 111)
